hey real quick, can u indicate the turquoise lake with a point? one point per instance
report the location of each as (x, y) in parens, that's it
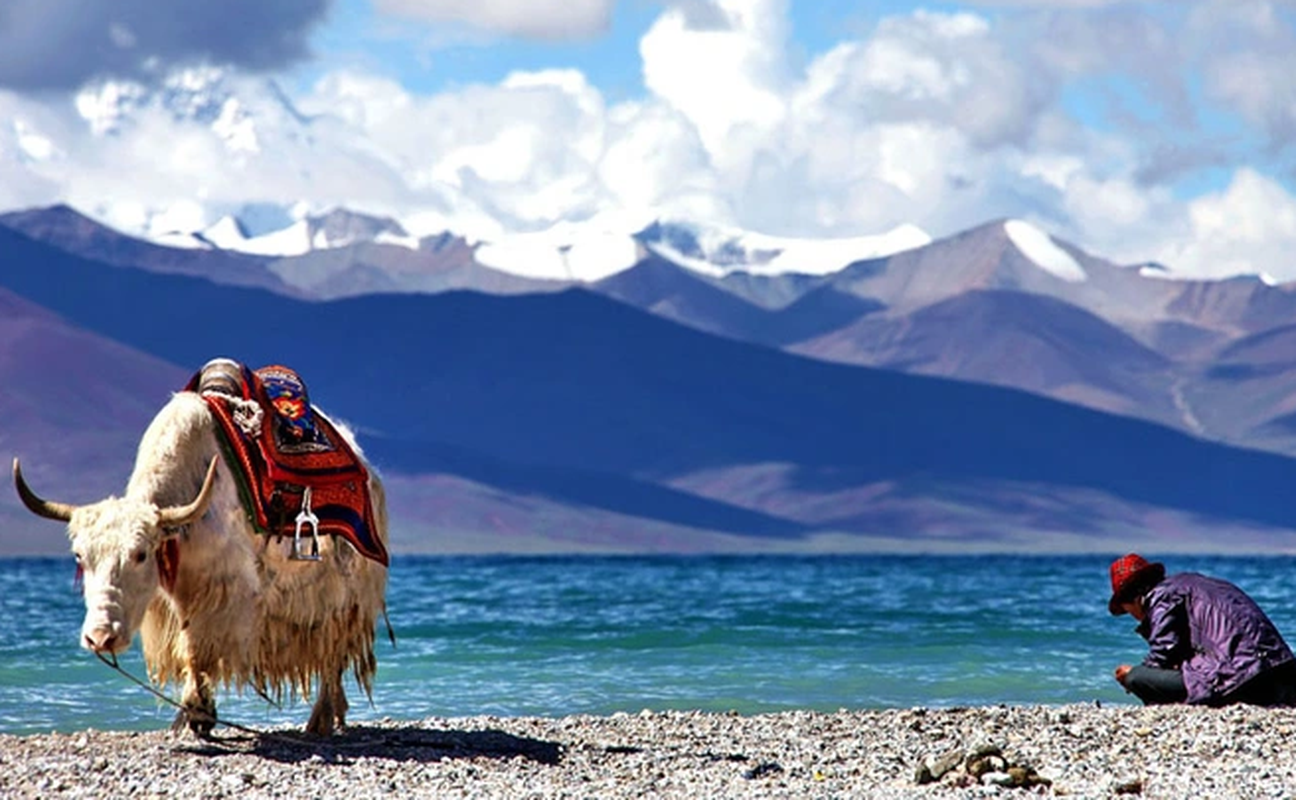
(596, 635)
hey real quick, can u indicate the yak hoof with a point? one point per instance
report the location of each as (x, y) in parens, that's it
(323, 726)
(200, 723)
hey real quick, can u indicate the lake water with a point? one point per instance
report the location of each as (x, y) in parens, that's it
(557, 635)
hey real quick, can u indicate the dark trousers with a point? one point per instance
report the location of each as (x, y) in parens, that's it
(1273, 687)
(1155, 686)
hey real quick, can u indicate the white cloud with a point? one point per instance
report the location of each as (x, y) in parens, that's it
(1248, 58)
(517, 156)
(542, 19)
(147, 161)
(1250, 227)
(1110, 205)
(655, 164)
(727, 80)
(33, 141)
(941, 120)
(358, 98)
(918, 123)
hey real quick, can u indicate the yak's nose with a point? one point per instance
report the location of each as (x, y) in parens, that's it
(102, 640)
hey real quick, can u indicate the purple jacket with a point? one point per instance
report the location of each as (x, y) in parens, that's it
(1211, 631)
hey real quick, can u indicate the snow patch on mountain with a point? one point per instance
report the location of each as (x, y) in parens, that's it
(719, 251)
(335, 229)
(1040, 248)
(181, 240)
(563, 252)
(1157, 271)
(591, 252)
(295, 240)
(1160, 272)
(227, 234)
(397, 240)
(587, 251)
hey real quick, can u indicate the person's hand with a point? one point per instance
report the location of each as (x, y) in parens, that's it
(1121, 672)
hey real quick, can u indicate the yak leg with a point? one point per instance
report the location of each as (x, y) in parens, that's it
(329, 713)
(198, 705)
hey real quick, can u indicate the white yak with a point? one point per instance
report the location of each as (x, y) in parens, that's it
(240, 611)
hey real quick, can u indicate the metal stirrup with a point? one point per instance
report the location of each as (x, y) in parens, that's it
(306, 517)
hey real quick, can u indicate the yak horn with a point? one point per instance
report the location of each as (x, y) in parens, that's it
(177, 516)
(44, 508)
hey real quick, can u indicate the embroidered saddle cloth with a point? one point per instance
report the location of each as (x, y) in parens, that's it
(282, 446)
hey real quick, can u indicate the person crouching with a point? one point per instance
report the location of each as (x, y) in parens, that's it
(1208, 641)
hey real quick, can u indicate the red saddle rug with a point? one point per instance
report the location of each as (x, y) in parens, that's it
(286, 448)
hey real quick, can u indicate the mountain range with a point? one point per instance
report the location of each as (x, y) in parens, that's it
(700, 391)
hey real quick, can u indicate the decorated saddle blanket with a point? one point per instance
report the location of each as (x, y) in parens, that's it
(282, 446)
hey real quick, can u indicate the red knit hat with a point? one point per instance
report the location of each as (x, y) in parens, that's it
(1130, 574)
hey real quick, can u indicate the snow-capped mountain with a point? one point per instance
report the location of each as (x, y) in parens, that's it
(717, 251)
(230, 124)
(1042, 251)
(246, 143)
(235, 145)
(334, 229)
(588, 253)
(1002, 303)
(565, 252)
(629, 428)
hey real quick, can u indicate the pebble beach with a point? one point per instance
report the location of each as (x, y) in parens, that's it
(1010, 751)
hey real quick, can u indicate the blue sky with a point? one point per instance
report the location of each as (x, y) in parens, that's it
(430, 59)
(1160, 130)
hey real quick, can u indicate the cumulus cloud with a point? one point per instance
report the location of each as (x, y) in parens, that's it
(1248, 228)
(944, 120)
(32, 134)
(948, 70)
(61, 44)
(913, 123)
(727, 76)
(206, 143)
(1247, 55)
(538, 19)
(517, 156)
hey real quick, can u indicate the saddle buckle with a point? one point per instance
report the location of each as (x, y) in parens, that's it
(306, 518)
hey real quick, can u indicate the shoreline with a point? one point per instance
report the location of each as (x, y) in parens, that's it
(1078, 750)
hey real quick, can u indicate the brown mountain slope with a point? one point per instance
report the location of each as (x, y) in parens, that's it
(441, 264)
(75, 233)
(73, 406)
(1248, 393)
(1024, 341)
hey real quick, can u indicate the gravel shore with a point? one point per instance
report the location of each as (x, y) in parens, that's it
(1073, 750)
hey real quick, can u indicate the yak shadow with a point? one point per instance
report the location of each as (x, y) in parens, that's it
(395, 744)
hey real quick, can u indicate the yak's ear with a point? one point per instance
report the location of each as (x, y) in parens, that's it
(179, 516)
(44, 508)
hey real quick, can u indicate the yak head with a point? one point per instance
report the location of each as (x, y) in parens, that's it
(116, 544)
